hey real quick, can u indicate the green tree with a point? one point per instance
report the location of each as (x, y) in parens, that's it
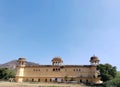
(5, 73)
(107, 71)
(114, 82)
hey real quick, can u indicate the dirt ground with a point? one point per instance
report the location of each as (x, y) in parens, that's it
(14, 84)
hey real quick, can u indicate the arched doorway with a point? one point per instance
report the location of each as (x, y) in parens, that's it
(32, 80)
(55, 79)
(80, 80)
(38, 80)
(45, 80)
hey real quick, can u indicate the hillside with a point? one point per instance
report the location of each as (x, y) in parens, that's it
(12, 64)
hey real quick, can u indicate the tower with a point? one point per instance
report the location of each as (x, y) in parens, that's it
(57, 61)
(20, 69)
(94, 60)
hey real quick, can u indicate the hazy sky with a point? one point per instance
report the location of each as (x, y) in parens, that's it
(72, 29)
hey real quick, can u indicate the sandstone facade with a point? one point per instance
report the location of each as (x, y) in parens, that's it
(56, 72)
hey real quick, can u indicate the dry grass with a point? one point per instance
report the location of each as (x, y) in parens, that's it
(14, 84)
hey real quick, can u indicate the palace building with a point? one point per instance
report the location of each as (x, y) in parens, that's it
(57, 72)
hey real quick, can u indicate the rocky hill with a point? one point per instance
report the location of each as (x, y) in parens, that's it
(12, 64)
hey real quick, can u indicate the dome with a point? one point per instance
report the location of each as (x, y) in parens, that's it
(21, 59)
(94, 58)
(58, 59)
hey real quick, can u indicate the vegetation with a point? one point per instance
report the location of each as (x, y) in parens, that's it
(107, 72)
(109, 75)
(5, 73)
(113, 83)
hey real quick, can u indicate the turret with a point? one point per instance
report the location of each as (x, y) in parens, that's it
(21, 62)
(57, 61)
(94, 60)
(20, 69)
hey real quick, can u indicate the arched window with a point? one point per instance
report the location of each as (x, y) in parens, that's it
(53, 69)
(74, 70)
